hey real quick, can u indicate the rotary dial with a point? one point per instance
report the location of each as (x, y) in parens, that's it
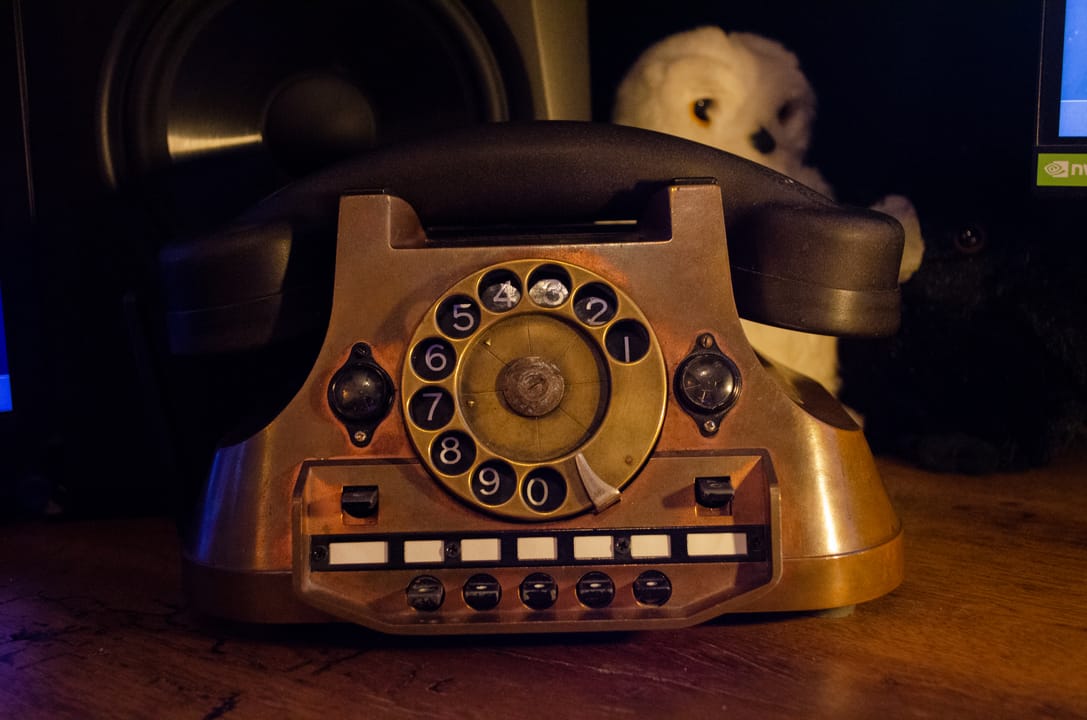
(534, 390)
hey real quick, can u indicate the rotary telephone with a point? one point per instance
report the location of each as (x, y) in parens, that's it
(534, 408)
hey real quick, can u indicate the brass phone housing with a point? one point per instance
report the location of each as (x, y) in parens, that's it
(812, 523)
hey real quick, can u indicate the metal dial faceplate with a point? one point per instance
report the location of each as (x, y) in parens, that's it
(534, 390)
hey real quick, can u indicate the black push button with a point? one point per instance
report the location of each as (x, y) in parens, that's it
(360, 392)
(426, 593)
(652, 588)
(595, 590)
(482, 592)
(714, 492)
(359, 501)
(539, 591)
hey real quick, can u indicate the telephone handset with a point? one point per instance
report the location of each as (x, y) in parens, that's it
(552, 422)
(799, 260)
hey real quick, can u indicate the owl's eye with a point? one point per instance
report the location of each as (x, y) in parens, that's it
(701, 110)
(970, 240)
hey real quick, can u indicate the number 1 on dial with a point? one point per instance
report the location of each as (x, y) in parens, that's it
(627, 341)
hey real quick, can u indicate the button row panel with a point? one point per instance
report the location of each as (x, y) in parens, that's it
(619, 546)
(538, 591)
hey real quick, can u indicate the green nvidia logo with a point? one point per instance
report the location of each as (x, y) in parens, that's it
(1062, 169)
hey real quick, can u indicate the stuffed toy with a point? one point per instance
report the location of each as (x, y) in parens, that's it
(747, 95)
(989, 369)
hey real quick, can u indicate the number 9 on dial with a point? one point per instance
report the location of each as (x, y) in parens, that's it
(494, 482)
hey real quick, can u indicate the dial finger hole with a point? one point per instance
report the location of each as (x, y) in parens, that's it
(458, 316)
(433, 359)
(544, 490)
(627, 341)
(431, 407)
(595, 304)
(549, 286)
(500, 291)
(452, 453)
(494, 483)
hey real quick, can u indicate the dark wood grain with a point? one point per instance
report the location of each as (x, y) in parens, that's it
(990, 622)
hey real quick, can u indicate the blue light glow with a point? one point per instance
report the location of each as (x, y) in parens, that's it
(1073, 114)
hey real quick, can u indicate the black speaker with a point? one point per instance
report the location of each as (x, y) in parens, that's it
(150, 120)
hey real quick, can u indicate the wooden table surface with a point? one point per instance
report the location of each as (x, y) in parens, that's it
(991, 621)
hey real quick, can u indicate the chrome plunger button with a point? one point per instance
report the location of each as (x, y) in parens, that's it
(482, 592)
(532, 386)
(595, 590)
(425, 593)
(539, 591)
(652, 588)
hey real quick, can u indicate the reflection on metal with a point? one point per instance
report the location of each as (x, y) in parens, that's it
(182, 146)
(825, 472)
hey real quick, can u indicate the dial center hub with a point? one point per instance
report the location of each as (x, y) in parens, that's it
(532, 386)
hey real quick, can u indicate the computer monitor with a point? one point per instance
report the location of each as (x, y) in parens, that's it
(1061, 141)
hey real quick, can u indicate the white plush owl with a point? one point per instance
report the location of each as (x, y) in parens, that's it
(746, 94)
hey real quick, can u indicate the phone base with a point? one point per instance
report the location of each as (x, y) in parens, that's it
(542, 437)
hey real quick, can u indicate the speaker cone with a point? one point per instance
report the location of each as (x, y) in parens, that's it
(210, 106)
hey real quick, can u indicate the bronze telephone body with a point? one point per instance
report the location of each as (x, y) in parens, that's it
(534, 408)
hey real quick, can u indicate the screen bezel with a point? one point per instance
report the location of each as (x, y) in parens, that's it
(1049, 81)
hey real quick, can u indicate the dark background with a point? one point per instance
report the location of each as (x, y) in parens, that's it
(930, 99)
